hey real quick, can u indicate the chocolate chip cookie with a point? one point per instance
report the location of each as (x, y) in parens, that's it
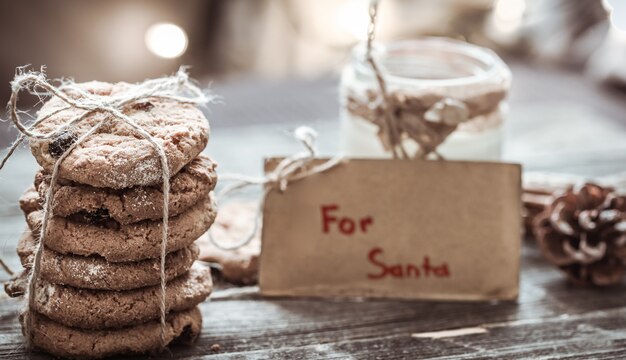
(117, 156)
(94, 272)
(239, 266)
(190, 185)
(120, 243)
(67, 342)
(102, 309)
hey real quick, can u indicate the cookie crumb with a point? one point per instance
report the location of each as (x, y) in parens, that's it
(215, 348)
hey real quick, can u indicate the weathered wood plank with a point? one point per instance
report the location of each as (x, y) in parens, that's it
(549, 318)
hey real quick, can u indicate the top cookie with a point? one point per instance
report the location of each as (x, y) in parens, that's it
(117, 156)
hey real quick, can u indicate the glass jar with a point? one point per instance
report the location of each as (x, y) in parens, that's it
(422, 69)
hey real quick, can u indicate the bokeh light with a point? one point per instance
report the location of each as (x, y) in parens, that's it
(166, 40)
(508, 15)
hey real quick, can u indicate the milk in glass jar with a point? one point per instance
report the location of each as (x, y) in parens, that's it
(426, 80)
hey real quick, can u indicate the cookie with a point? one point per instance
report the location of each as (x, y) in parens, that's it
(30, 201)
(117, 156)
(239, 266)
(63, 341)
(191, 184)
(102, 309)
(121, 243)
(94, 272)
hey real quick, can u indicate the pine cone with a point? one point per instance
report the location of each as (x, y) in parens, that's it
(583, 232)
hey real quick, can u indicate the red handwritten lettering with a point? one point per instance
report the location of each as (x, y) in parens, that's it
(372, 258)
(345, 225)
(425, 269)
(366, 222)
(326, 218)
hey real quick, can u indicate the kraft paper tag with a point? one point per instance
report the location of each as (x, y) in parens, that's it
(400, 229)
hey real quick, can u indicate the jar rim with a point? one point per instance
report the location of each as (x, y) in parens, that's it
(492, 64)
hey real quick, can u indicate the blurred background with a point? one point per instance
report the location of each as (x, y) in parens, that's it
(276, 62)
(134, 39)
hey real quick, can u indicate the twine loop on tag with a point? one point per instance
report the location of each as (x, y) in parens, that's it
(178, 88)
(288, 170)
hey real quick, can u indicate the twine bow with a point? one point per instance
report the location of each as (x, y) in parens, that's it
(290, 169)
(179, 88)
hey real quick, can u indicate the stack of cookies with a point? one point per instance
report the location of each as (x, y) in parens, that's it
(98, 290)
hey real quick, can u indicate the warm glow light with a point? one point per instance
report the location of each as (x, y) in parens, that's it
(166, 40)
(352, 18)
(510, 10)
(508, 15)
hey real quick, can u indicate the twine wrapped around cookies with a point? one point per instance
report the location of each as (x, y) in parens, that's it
(179, 88)
(290, 169)
(6, 268)
(426, 118)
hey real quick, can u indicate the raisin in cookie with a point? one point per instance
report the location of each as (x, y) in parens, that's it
(63, 341)
(121, 243)
(191, 184)
(94, 272)
(117, 156)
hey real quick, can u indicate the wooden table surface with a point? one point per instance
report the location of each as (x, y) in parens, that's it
(559, 122)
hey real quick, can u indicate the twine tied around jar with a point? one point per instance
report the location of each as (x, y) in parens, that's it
(427, 119)
(179, 88)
